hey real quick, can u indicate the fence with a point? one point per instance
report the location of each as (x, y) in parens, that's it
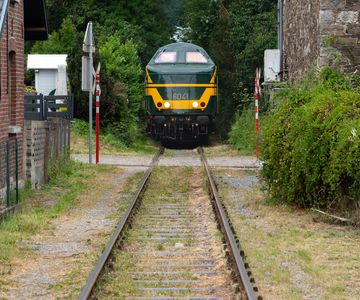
(46, 133)
(44, 141)
(40, 107)
(9, 174)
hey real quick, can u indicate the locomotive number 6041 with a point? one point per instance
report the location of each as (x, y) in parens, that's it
(181, 93)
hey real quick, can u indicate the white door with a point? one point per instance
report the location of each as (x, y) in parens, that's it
(45, 81)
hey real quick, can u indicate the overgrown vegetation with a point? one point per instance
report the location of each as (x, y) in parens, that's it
(311, 142)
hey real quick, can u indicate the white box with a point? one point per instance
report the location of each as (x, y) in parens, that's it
(272, 65)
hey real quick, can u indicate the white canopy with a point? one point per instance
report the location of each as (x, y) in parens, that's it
(46, 61)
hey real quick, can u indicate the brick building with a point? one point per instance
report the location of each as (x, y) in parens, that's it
(20, 20)
(319, 33)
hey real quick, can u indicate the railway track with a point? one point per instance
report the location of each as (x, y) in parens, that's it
(176, 243)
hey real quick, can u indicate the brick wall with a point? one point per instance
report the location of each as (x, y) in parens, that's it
(12, 57)
(319, 33)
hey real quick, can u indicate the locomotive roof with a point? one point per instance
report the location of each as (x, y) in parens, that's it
(181, 49)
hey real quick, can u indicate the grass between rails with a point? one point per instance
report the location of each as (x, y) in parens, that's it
(290, 255)
(168, 186)
(68, 180)
(118, 284)
(109, 143)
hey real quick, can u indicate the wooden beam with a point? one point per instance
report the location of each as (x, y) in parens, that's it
(35, 29)
(332, 216)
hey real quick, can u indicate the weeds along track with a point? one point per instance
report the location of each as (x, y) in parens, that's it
(171, 245)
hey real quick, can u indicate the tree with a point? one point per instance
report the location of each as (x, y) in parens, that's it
(235, 33)
(122, 64)
(58, 42)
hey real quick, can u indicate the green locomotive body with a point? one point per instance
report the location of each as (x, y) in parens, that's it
(181, 93)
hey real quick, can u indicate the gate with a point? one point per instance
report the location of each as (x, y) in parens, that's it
(40, 107)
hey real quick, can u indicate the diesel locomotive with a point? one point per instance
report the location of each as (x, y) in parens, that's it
(181, 93)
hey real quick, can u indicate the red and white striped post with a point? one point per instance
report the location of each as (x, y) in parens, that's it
(257, 94)
(98, 93)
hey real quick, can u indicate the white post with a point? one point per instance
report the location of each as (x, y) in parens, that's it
(90, 102)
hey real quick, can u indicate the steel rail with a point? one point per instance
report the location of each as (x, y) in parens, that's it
(227, 231)
(101, 263)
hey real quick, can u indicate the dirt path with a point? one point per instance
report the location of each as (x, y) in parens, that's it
(65, 253)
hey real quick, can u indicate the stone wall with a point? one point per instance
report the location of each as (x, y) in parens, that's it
(301, 35)
(319, 33)
(340, 34)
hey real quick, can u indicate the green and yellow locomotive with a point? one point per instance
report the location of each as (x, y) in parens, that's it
(181, 93)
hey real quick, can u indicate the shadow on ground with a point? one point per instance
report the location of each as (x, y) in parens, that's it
(187, 144)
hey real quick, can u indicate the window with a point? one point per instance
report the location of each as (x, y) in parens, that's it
(166, 57)
(196, 57)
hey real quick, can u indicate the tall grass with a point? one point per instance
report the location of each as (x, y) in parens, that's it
(242, 135)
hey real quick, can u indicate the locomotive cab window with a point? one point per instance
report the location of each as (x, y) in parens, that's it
(166, 57)
(196, 57)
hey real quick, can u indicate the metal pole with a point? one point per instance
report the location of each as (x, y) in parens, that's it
(257, 94)
(90, 100)
(7, 174)
(17, 170)
(280, 33)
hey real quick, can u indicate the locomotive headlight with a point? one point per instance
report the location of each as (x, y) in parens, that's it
(167, 104)
(195, 104)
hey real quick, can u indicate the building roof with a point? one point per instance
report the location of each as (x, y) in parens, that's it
(46, 61)
(35, 19)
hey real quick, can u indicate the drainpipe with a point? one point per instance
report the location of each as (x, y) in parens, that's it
(280, 34)
(3, 15)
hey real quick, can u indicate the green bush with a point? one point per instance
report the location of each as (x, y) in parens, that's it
(311, 144)
(242, 134)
